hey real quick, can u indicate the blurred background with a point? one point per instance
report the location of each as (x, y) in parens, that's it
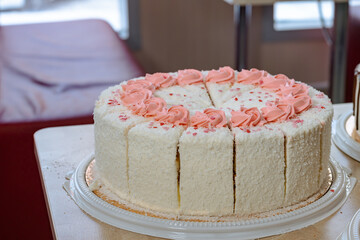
(58, 55)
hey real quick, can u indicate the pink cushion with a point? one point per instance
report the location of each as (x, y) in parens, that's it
(57, 70)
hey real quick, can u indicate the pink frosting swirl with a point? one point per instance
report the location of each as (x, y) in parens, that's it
(252, 76)
(247, 117)
(209, 118)
(299, 102)
(293, 88)
(135, 96)
(223, 75)
(275, 83)
(150, 107)
(163, 80)
(176, 115)
(189, 76)
(278, 113)
(136, 84)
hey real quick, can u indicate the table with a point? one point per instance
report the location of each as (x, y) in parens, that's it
(60, 149)
(242, 18)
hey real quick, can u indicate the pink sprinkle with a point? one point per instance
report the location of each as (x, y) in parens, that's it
(206, 130)
(194, 134)
(332, 190)
(236, 99)
(250, 99)
(220, 90)
(248, 131)
(251, 92)
(260, 100)
(188, 132)
(320, 95)
(212, 118)
(184, 95)
(154, 127)
(170, 94)
(296, 122)
(166, 128)
(202, 88)
(238, 89)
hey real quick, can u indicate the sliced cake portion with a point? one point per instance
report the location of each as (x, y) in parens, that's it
(206, 171)
(222, 85)
(111, 147)
(256, 97)
(322, 110)
(259, 175)
(193, 97)
(303, 158)
(154, 166)
(189, 91)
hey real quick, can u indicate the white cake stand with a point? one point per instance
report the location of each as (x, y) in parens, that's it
(353, 229)
(329, 203)
(342, 129)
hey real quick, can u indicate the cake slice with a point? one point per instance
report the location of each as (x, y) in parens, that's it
(322, 111)
(222, 85)
(303, 158)
(206, 171)
(190, 91)
(111, 147)
(259, 174)
(256, 97)
(154, 166)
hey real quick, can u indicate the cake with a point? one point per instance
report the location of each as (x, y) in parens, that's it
(212, 143)
(356, 106)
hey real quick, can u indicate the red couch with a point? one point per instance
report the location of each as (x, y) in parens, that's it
(51, 75)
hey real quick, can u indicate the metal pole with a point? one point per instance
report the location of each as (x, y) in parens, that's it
(339, 53)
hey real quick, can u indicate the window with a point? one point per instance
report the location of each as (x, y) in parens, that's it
(115, 12)
(303, 15)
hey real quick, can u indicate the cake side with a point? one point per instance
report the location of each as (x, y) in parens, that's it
(154, 166)
(323, 111)
(111, 148)
(302, 154)
(260, 179)
(206, 172)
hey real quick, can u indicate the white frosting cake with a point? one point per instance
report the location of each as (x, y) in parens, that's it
(212, 143)
(356, 104)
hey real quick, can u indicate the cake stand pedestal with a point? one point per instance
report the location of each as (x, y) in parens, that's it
(60, 150)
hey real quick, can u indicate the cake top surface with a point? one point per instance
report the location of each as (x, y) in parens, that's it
(214, 99)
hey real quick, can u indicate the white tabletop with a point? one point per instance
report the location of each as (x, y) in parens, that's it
(60, 149)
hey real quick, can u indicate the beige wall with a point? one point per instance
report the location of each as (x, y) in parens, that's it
(177, 34)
